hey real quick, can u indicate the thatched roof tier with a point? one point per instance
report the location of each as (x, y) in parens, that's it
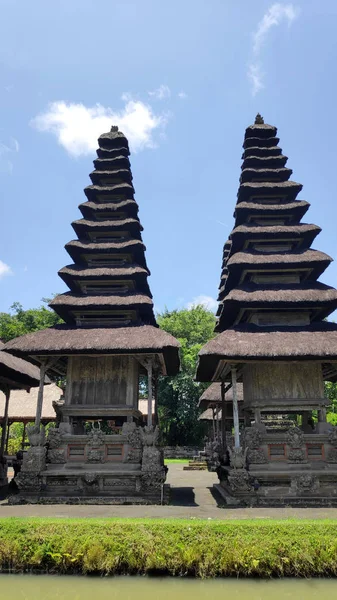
(264, 142)
(112, 163)
(252, 175)
(122, 191)
(17, 373)
(22, 405)
(286, 189)
(113, 139)
(320, 299)
(261, 151)
(120, 300)
(64, 340)
(113, 152)
(93, 209)
(84, 226)
(262, 130)
(68, 305)
(307, 257)
(302, 233)
(292, 211)
(117, 175)
(76, 249)
(264, 162)
(129, 270)
(244, 343)
(212, 394)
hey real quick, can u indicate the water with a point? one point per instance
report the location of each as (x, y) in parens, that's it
(47, 587)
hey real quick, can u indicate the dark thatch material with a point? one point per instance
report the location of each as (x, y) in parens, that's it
(75, 301)
(307, 257)
(120, 175)
(264, 162)
(243, 343)
(303, 234)
(17, 373)
(66, 340)
(249, 174)
(317, 297)
(292, 211)
(105, 246)
(81, 226)
(113, 139)
(123, 190)
(22, 405)
(113, 152)
(103, 272)
(290, 189)
(264, 142)
(92, 209)
(116, 162)
(262, 130)
(260, 151)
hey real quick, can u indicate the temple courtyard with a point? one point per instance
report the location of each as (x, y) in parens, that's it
(192, 497)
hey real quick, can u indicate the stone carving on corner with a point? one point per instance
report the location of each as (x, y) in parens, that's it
(28, 482)
(239, 481)
(54, 438)
(56, 456)
(95, 446)
(153, 474)
(253, 440)
(237, 457)
(295, 439)
(333, 437)
(149, 435)
(36, 435)
(134, 440)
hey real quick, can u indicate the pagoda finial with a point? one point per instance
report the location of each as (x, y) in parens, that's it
(114, 128)
(259, 120)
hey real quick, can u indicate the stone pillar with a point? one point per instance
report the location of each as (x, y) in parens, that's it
(213, 421)
(43, 369)
(5, 421)
(223, 416)
(217, 422)
(235, 409)
(149, 398)
(322, 415)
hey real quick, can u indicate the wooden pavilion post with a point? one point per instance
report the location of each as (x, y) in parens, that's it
(223, 416)
(7, 392)
(43, 369)
(235, 409)
(7, 436)
(217, 422)
(149, 393)
(213, 421)
(23, 435)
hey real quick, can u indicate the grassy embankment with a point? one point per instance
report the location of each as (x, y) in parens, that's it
(172, 461)
(173, 547)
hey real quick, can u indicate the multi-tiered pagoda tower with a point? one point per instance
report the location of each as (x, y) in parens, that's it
(101, 451)
(273, 337)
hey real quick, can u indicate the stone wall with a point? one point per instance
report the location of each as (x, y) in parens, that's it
(180, 451)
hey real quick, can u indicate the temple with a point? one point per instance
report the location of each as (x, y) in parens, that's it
(273, 338)
(109, 346)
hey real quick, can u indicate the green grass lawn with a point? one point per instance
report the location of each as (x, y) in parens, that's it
(170, 461)
(296, 548)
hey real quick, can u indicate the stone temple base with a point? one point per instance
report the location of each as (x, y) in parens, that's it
(300, 488)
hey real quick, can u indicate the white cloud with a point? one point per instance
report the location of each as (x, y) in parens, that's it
(276, 14)
(6, 150)
(182, 95)
(256, 78)
(4, 270)
(77, 126)
(161, 93)
(206, 301)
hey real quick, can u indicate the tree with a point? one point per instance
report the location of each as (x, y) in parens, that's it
(178, 396)
(18, 321)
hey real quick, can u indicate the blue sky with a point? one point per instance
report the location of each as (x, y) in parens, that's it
(183, 79)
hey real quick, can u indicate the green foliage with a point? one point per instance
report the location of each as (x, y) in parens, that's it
(178, 396)
(18, 321)
(249, 548)
(330, 391)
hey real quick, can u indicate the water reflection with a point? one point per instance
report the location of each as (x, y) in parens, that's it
(46, 587)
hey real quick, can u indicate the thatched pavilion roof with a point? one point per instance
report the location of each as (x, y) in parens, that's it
(22, 405)
(17, 373)
(64, 340)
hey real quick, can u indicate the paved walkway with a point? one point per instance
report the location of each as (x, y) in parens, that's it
(192, 498)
